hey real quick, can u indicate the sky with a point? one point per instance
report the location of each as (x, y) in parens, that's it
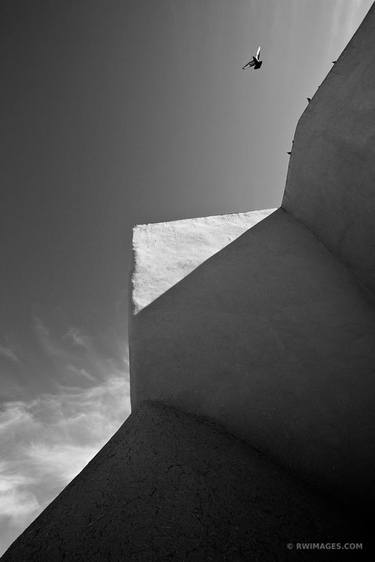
(115, 113)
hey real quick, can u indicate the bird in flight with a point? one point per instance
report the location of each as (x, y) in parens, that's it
(255, 62)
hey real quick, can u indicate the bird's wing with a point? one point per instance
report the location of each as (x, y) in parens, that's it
(250, 63)
(258, 53)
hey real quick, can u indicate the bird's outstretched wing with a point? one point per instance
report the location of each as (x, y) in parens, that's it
(249, 64)
(258, 53)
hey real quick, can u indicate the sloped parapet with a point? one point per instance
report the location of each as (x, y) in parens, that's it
(169, 486)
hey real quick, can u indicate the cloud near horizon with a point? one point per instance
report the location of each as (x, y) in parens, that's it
(46, 441)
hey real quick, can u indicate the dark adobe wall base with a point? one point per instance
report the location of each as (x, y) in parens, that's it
(169, 486)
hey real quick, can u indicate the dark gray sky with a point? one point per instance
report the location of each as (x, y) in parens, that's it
(115, 113)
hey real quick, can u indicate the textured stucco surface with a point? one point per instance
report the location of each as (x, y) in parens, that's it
(272, 337)
(331, 177)
(168, 486)
(164, 253)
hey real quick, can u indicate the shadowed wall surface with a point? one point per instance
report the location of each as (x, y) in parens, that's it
(271, 337)
(169, 486)
(331, 177)
(274, 336)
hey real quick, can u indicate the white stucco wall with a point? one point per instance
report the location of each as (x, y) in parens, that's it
(273, 335)
(331, 178)
(272, 338)
(165, 252)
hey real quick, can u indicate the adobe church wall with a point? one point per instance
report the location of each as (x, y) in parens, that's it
(165, 252)
(331, 177)
(145, 497)
(271, 338)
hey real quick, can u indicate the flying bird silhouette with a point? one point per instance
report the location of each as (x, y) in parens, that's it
(254, 63)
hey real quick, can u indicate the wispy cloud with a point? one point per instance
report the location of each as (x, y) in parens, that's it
(80, 372)
(78, 338)
(74, 355)
(9, 354)
(17, 503)
(55, 347)
(44, 339)
(45, 442)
